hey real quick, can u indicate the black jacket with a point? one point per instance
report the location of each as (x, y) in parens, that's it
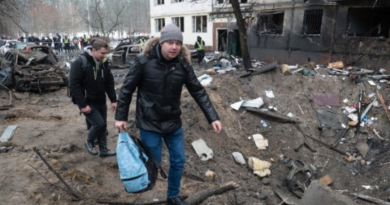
(88, 86)
(159, 89)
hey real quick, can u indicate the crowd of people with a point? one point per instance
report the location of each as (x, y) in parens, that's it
(61, 44)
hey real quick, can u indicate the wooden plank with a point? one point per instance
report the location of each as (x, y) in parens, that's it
(383, 103)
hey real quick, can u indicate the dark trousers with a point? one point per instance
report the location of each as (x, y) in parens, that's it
(97, 123)
(200, 55)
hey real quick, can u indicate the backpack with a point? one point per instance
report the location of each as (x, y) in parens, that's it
(83, 66)
(138, 169)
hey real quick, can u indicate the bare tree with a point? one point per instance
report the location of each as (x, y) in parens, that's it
(242, 31)
(11, 13)
(104, 16)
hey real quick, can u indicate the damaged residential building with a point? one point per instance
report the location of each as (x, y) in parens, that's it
(290, 31)
(296, 31)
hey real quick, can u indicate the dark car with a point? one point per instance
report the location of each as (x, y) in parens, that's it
(124, 55)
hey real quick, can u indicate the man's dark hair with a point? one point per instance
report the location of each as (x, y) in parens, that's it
(98, 43)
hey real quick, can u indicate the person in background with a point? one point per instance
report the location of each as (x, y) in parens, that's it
(199, 46)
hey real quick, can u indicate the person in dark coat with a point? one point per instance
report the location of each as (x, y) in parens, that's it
(159, 76)
(88, 88)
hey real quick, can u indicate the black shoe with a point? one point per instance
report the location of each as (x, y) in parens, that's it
(106, 153)
(176, 201)
(91, 148)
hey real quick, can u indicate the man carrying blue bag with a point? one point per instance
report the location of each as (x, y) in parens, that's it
(137, 168)
(159, 75)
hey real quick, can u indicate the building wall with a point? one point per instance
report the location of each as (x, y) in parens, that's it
(187, 10)
(333, 44)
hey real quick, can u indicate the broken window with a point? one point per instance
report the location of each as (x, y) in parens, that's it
(159, 24)
(159, 2)
(177, 1)
(368, 22)
(271, 23)
(179, 22)
(199, 24)
(312, 22)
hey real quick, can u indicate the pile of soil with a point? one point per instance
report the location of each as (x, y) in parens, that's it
(53, 125)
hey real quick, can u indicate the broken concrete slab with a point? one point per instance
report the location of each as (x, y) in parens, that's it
(317, 192)
(239, 158)
(202, 150)
(7, 134)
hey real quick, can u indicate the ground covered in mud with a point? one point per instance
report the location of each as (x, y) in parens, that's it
(53, 125)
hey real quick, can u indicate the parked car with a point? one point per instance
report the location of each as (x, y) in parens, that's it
(124, 55)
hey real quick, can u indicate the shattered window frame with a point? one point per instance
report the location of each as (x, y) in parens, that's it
(199, 24)
(179, 22)
(230, 1)
(159, 24)
(271, 23)
(159, 2)
(368, 22)
(312, 22)
(176, 1)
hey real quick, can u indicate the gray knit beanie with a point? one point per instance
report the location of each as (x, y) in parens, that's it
(171, 32)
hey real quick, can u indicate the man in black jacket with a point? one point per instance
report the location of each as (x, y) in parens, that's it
(90, 80)
(159, 77)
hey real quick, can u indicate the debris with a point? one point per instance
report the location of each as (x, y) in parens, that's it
(5, 98)
(256, 103)
(205, 80)
(237, 105)
(274, 115)
(316, 191)
(259, 167)
(202, 150)
(377, 134)
(238, 157)
(371, 199)
(260, 141)
(263, 69)
(337, 65)
(380, 96)
(269, 94)
(299, 175)
(209, 175)
(199, 197)
(290, 114)
(326, 180)
(68, 188)
(285, 69)
(7, 134)
(371, 83)
(286, 197)
(42, 74)
(323, 99)
(367, 109)
(362, 147)
(330, 118)
(353, 123)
